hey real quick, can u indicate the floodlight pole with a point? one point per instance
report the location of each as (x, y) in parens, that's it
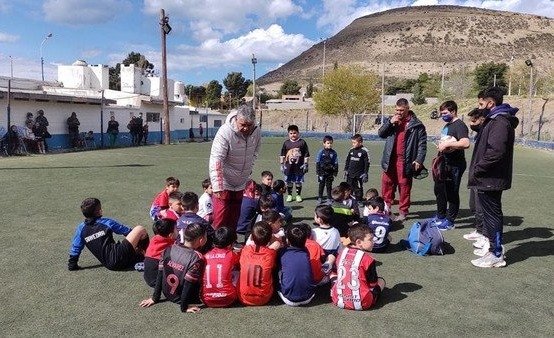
(324, 42)
(41, 58)
(383, 95)
(442, 77)
(529, 64)
(254, 61)
(165, 28)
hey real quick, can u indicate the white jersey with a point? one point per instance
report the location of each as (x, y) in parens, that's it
(329, 239)
(205, 205)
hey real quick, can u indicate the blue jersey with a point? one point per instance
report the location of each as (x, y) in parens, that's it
(297, 283)
(380, 225)
(327, 162)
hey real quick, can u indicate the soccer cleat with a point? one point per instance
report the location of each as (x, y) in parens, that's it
(489, 261)
(298, 198)
(481, 242)
(444, 224)
(289, 198)
(326, 268)
(473, 236)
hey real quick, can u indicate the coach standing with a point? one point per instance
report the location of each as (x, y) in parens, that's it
(234, 150)
(403, 155)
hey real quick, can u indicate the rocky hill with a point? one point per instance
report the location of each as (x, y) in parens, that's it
(412, 40)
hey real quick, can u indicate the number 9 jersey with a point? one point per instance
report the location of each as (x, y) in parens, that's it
(356, 286)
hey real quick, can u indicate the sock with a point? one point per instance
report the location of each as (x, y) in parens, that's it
(298, 189)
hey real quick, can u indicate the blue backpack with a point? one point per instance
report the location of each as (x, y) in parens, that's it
(425, 239)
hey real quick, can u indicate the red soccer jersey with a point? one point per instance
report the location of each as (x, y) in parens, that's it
(356, 279)
(218, 289)
(157, 246)
(315, 252)
(256, 279)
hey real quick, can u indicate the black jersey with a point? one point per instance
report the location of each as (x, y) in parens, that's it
(458, 130)
(179, 268)
(357, 162)
(295, 152)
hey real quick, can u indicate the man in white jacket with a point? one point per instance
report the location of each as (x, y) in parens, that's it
(234, 150)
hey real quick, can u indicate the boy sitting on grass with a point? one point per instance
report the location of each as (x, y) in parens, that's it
(180, 271)
(379, 223)
(96, 233)
(357, 286)
(161, 201)
(175, 209)
(189, 200)
(164, 237)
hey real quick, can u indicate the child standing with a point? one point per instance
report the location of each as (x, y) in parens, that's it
(267, 183)
(327, 167)
(180, 271)
(356, 267)
(221, 273)
(294, 162)
(161, 201)
(326, 235)
(164, 237)
(175, 209)
(96, 233)
(257, 263)
(379, 223)
(295, 275)
(205, 209)
(356, 167)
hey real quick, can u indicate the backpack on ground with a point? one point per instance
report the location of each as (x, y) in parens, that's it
(425, 238)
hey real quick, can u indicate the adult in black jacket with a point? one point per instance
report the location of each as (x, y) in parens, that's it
(490, 171)
(403, 155)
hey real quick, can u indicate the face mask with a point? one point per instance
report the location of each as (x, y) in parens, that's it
(447, 117)
(475, 127)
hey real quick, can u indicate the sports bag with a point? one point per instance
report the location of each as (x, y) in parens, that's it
(425, 239)
(438, 168)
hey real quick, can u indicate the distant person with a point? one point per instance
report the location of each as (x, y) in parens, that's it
(145, 133)
(180, 272)
(132, 126)
(453, 142)
(73, 129)
(234, 151)
(191, 134)
(356, 167)
(139, 129)
(41, 125)
(96, 233)
(294, 159)
(490, 172)
(113, 130)
(403, 155)
(201, 130)
(327, 167)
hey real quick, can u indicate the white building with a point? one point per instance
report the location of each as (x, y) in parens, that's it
(84, 89)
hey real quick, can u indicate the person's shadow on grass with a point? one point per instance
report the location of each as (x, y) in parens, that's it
(396, 293)
(527, 233)
(530, 249)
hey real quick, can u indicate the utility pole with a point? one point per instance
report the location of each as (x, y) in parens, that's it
(102, 121)
(529, 63)
(254, 61)
(324, 43)
(41, 58)
(442, 77)
(165, 29)
(383, 94)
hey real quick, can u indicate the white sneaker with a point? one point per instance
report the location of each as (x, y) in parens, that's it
(483, 251)
(480, 243)
(489, 261)
(473, 236)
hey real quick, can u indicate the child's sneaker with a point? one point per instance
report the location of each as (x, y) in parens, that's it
(489, 261)
(139, 266)
(298, 198)
(473, 236)
(482, 252)
(481, 242)
(289, 198)
(444, 224)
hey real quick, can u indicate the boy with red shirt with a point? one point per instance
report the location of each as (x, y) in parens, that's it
(221, 272)
(357, 286)
(161, 201)
(257, 263)
(164, 237)
(175, 209)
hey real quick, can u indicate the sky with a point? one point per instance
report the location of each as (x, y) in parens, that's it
(209, 38)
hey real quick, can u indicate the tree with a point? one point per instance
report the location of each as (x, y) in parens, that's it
(236, 86)
(137, 59)
(347, 91)
(290, 87)
(196, 94)
(419, 97)
(213, 94)
(310, 89)
(484, 75)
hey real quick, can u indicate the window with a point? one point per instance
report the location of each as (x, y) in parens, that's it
(152, 117)
(203, 118)
(217, 123)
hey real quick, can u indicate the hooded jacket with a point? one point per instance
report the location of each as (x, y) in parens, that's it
(232, 156)
(415, 143)
(492, 161)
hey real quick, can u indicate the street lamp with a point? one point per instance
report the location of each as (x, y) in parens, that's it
(165, 29)
(254, 61)
(41, 58)
(529, 63)
(324, 42)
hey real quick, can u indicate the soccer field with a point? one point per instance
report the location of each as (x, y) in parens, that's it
(436, 295)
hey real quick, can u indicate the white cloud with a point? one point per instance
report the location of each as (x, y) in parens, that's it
(83, 12)
(5, 37)
(269, 45)
(27, 68)
(223, 17)
(90, 53)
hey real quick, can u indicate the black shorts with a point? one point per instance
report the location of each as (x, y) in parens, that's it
(121, 256)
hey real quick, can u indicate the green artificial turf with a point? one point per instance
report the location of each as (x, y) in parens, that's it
(444, 295)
